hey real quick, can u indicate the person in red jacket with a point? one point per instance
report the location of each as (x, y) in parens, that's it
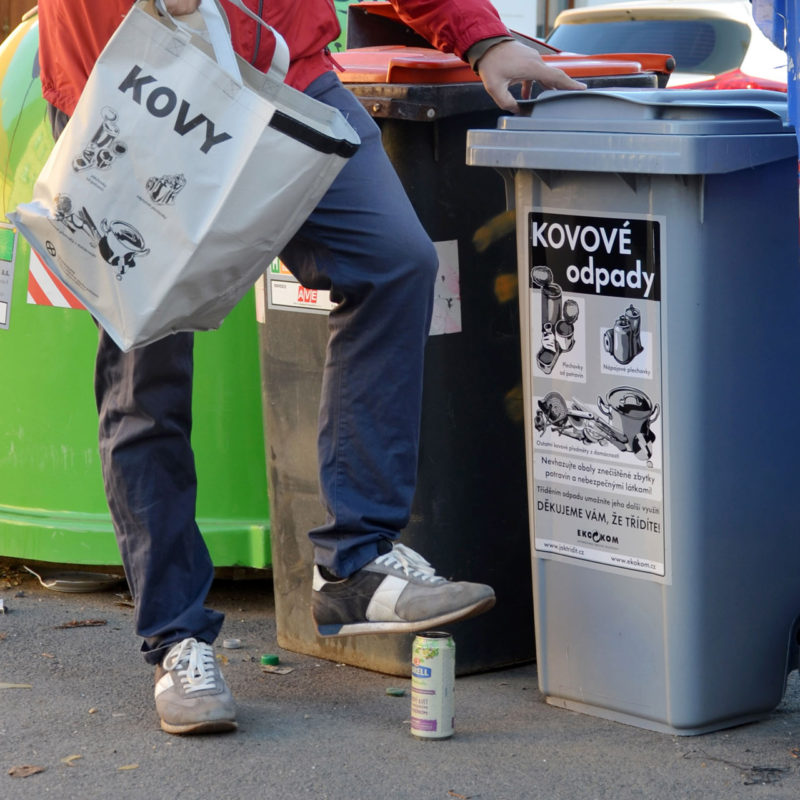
(365, 244)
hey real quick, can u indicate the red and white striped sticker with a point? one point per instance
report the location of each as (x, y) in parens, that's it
(44, 289)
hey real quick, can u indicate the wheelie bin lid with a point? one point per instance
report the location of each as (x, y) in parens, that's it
(408, 64)
(419, 83)
(655, 111)
(667, 131)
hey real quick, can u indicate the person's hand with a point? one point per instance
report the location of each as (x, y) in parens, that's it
(179, 8)
(512, 62)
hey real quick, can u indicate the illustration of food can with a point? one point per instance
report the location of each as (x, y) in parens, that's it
(433, 678)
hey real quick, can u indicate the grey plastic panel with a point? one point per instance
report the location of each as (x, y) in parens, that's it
(659, 111)
(629, 153)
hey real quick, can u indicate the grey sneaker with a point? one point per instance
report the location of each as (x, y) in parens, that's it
(191, 694)
(398, 592)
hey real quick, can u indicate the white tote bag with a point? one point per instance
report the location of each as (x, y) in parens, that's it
(183, 172)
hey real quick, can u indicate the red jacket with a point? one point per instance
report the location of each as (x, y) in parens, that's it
(73, 32)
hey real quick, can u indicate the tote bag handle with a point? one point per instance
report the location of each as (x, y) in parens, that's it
(218, 35)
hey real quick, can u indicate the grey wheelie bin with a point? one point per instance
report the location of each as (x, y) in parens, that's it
(657, 238)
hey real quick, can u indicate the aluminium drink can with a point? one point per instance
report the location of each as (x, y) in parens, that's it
(433, 678)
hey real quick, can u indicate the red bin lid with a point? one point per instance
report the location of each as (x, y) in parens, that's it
(403, 64)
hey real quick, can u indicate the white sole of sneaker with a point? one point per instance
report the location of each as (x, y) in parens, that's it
(208, 726)
(363, 628)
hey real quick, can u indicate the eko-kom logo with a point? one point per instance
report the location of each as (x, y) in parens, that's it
(597, 537)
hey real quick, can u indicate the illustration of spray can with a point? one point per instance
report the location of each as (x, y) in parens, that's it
(433, 678)
(108, 130)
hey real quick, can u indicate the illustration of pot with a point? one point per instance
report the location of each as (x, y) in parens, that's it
(632, 411)
(164, 189)
(120, 243)
(623, 341)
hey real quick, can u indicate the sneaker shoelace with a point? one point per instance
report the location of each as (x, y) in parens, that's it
(194, 664)
(410, 562)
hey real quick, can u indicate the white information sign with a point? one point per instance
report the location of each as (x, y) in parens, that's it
(595, 290)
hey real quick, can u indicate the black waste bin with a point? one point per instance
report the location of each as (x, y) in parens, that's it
(469, 516)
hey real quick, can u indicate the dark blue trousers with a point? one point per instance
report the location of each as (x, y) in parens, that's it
(364, 243)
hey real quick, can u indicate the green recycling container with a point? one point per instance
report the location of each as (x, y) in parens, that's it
(52, 504)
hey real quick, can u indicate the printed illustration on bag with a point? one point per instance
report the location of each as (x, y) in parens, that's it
(118, 242)
(624, 342)
(163, 190)
(75, 220)
(623, 419)
(104, 147)
(558, 320)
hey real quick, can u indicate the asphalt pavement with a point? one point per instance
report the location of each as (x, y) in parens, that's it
(77, 722)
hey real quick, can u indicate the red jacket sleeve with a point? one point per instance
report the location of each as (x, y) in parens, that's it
(452, 26)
